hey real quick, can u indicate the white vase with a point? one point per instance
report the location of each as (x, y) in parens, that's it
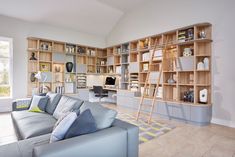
(206, 63)
(200, 66)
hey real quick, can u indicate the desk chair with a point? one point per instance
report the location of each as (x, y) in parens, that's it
(100, 92)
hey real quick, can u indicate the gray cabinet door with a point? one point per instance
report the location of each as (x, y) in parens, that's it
(110, 60)
(47, 76)
(153, 77)
(181, 111)
(134, 67)
(81, 68)
(201, 114)
(58, 57)
(186, 63)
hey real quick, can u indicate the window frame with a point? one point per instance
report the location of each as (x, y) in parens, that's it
(10, 40)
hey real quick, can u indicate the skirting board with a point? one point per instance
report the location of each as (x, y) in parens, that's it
(223, 122)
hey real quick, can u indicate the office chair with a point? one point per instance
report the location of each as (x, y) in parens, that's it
(100, 92)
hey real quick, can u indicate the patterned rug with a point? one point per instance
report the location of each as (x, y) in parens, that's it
(147, 131)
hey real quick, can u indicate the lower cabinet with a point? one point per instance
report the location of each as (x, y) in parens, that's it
(199, 115)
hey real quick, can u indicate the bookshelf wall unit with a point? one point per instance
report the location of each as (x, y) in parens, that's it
(181, 83)
(51, 58)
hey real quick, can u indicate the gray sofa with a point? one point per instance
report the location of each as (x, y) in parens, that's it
(34, 130)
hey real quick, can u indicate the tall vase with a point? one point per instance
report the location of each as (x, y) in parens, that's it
(69, 67)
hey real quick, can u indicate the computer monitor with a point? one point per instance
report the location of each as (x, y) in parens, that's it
(110, 81)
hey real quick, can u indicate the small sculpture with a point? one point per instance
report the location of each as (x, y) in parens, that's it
(188, 96)
(32, 77)
(33, 56)
(57, 68)
(202, 34)
(190, 34)
(187, 52)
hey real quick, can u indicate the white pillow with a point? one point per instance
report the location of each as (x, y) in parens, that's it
(61, 129)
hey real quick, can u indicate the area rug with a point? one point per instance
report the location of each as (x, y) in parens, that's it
(147, 131)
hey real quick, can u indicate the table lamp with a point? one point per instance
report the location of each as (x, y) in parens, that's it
(43, 77)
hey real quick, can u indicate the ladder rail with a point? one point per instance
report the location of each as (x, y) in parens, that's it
(157, 88)
(154, 97)
(158, 82)
(146, 80)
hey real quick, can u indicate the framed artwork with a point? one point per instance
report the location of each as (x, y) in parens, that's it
(45, 67)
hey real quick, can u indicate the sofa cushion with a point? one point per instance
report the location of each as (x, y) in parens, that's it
(53, 101)
(31, 124)
(26, 146)
(104, 117)
(38, 103)
(66, 104)
(61, 129)
(84, 124)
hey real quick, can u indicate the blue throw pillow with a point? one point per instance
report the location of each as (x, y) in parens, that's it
(84, 124)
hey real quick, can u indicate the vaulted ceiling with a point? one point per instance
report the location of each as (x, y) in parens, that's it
(91, 16)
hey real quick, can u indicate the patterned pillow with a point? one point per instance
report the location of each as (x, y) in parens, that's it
(38, 103)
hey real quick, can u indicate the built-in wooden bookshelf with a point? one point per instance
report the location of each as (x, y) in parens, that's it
(190, 46)
(50, 57)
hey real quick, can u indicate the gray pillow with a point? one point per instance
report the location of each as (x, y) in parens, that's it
(54, 99)
(66, 104)
(104, 117)
(38, 103)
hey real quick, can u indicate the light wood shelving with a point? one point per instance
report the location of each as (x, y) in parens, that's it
(130, 61)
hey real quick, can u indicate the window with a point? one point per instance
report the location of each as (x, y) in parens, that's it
(5, 67)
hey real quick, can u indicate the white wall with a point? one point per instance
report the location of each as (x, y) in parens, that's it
(159, 16)
(19, 31)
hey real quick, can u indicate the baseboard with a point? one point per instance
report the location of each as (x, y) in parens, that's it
(223, 122)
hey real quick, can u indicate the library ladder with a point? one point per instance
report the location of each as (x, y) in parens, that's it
(148, 83)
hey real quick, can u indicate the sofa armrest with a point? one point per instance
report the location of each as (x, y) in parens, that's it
(21, 104)
(111, 142)
(133, 137)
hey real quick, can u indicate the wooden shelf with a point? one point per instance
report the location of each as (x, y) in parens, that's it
(203, 70)
(43, 61)
(97, 61)
(170, 84)
(181, 84)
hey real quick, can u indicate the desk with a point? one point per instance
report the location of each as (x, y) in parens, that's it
(111, 89)
(112, 92)
(88, 95)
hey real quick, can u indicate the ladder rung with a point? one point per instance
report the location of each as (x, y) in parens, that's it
(155, 64)
(144, 114)
(146, 96)
(148, 105)
(142, 105)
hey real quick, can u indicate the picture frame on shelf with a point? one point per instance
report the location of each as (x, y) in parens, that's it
(44, 67)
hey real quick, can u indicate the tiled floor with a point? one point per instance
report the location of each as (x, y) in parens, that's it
(184, 141)
(188, 140)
